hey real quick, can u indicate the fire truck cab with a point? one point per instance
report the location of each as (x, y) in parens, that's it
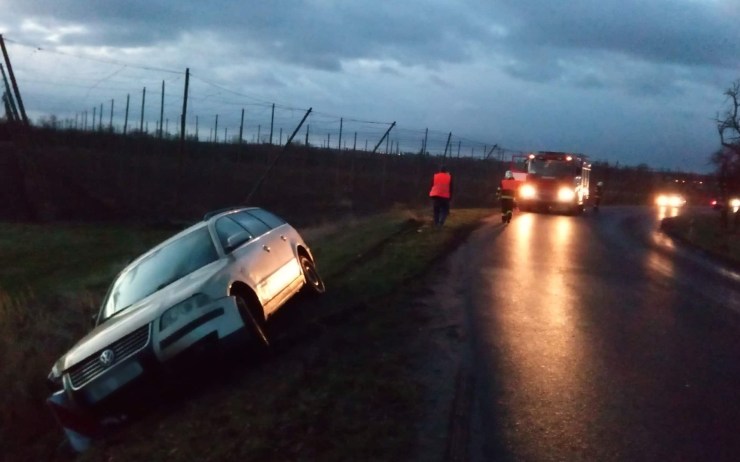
(551, 181)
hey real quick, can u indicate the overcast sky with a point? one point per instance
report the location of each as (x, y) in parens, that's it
(629, 81)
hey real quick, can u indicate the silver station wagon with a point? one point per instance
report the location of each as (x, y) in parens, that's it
(216, 282)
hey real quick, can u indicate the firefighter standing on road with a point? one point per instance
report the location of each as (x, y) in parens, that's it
(598, 193)
(506, 192)
(441, 193)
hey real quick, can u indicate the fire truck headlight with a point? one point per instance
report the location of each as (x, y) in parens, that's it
(566, 194)
(527, 191)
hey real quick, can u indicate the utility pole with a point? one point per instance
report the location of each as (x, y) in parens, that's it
(424, 144)
(143, 100)
(95, 116)
(307, 128)
(13, 81)
(354, 147)
(459, 144)
(100, 119)
(328, 141)
(197, 130)
(281, 136)
(259, 130)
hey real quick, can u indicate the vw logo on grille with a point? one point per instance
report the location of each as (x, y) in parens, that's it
(107, 357)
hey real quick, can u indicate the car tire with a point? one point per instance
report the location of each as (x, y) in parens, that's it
(254, 321)
(314, 283)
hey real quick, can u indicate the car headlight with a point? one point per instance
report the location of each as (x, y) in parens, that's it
(661, 200)
(527, 191)
(566, 194)
(735, 202)
(54, 379)
(182, 309)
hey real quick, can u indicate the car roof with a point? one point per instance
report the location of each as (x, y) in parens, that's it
(225, 210)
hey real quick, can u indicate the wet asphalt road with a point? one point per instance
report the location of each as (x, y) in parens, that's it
(596, 338)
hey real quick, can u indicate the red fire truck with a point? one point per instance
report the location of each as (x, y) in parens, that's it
(551, 181)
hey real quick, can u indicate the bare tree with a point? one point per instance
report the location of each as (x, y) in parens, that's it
(728, 125)
(727, 158)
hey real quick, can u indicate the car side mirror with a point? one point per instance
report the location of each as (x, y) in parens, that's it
(235, 240)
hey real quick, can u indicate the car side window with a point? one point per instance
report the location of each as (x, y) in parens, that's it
(270, 219)
(252, 224)
(231, 234)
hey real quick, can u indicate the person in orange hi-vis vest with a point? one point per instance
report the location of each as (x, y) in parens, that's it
(441, 193)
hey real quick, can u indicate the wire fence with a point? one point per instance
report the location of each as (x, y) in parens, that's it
(99, 92)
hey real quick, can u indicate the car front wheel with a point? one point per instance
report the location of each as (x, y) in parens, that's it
(254, 321)
(313, 281)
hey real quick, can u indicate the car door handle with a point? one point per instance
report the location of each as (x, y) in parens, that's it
(283, 238)
(266, 248)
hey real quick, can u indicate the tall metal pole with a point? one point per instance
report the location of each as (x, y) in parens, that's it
(272, 121)
(125, 118)
(161, 111)
(307, 129)
(184, 115)
(241, 127)
(143, 100)
(95, 114)
(354, 147)
(341, 123)
(383, 138)
(110, 124)
(100, 119)
(215, 131)
(9, 95)
(275, 159)
(447, 146)
(13, 81)
(424, 145)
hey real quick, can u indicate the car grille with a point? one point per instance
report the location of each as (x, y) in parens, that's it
(124, 348)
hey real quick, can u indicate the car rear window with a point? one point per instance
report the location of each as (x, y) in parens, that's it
(270, 219)
(252, 224)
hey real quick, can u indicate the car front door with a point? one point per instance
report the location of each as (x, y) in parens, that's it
(284, 266)
(254, 263)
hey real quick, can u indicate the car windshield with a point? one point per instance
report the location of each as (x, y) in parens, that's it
(160, 269)
(551, 168)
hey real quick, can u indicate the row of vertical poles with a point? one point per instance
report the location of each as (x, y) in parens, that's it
(18, 103)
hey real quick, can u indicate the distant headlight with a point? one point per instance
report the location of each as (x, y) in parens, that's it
(670, 200)
(735, 202)
(566, 194)
(527, 191)
(182, 309)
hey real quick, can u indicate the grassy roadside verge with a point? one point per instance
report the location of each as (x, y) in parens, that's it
(703, 230)
(336, 388)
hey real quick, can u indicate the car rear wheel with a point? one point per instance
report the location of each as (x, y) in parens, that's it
(313, 281)
(254, 321)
